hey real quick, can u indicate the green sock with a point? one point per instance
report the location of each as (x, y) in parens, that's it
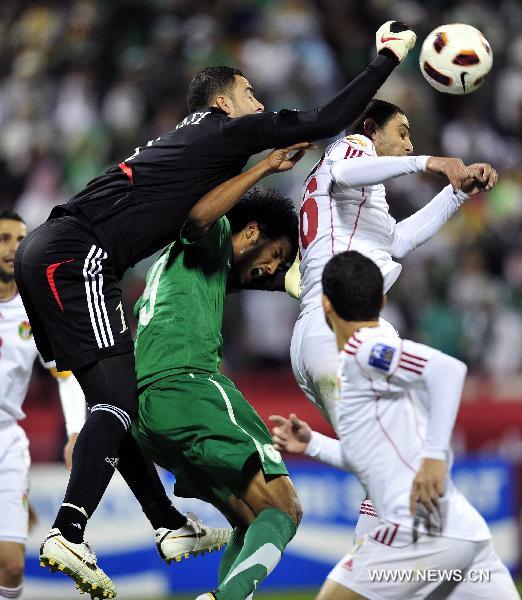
(265, 540)
(232, 549)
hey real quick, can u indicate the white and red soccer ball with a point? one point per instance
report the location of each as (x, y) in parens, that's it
(455, 58)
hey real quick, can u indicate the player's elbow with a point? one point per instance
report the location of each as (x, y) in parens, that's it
(461, 368)
(400, 250)
(456, 366)
(199, 221)
(402, 244)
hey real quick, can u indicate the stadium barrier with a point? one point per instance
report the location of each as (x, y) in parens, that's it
(124, 541)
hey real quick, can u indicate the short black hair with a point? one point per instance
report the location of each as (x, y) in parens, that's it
(378, 110)
(273, 212)
(207, 84)
(11, 215)
(354, 285)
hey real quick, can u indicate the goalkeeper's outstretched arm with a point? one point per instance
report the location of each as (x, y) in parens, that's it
(257, 132)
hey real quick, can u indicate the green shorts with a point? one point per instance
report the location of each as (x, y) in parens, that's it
(201, 428)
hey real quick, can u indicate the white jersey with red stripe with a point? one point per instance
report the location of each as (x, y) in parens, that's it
(393, 410)
(17, 355)
(335, 218)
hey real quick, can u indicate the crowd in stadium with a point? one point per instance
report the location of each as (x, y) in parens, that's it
(84, 82)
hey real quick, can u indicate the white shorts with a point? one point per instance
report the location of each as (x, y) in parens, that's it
(314, 356)
(14, 483)
(421, 569)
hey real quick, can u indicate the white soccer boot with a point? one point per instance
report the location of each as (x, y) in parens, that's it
(79, 562)
(192, 539)
(206, 596)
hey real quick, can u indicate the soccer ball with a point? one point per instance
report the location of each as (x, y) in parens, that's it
(455, 58)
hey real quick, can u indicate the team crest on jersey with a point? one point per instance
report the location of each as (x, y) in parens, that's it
(381, 356)
(24, 330)
(273, 454)
(355, 139)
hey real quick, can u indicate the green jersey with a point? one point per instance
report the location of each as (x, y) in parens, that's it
(181, 310)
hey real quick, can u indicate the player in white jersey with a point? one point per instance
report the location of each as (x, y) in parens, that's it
(17, 355)
(344, 207)
(396, 405)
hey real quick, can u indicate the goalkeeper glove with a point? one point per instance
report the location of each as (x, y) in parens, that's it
(293, 279)
(395, 37)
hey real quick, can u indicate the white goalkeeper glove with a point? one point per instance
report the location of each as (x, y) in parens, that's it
(395, 37)
(293, 279)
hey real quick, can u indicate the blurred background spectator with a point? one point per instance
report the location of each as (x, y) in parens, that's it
(82, 82)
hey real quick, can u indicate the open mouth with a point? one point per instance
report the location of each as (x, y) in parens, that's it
(256, 273)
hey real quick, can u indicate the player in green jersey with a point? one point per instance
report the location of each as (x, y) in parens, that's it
(192, 420)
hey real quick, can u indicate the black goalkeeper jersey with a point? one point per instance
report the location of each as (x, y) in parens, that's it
(140, 205)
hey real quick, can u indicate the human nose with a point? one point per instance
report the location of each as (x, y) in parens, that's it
(259, 106)
(274, 265)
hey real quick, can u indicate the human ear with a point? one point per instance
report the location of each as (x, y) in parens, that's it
(370, 128)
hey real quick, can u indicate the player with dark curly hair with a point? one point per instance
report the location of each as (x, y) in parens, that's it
(192, 420)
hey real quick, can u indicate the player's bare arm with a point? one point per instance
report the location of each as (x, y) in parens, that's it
(471, 179)
(484, 178)
(33, 516)
(452, 168)
(221, 199)
(428, 485)
(290, 434)
(68, 450)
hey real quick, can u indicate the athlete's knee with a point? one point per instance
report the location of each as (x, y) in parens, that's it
(12, 570)
(293, 508)
(264, 492)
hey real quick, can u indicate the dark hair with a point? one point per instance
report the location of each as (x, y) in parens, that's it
(273, 212)
(11, 215)
(207, 84)
(378, 110)
(354, 285)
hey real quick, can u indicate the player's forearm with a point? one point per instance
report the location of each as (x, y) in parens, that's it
(363, 171)
(444, 378)
(426, 222)
(289, 126)
(73, 403)
(348, 104)
(221, 199)
(326, 450)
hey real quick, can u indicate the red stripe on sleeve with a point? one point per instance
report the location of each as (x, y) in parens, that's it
(409, 369)
(415, 356)
(127, 170)
(415, 363)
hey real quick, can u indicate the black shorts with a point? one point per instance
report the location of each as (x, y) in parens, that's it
(71, 294)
